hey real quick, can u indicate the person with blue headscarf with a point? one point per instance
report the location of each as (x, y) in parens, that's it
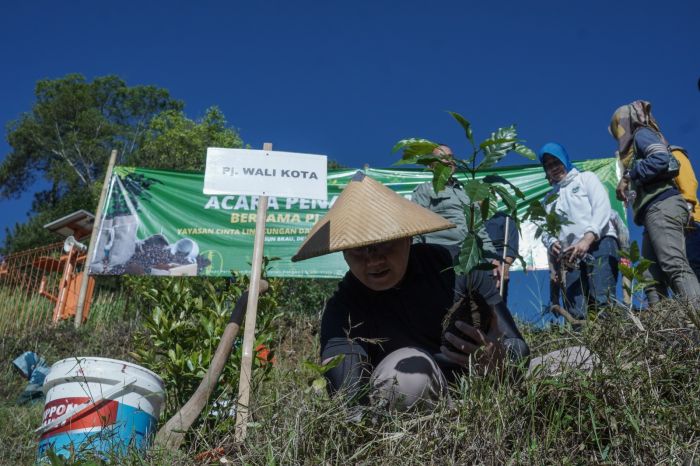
(587, 242)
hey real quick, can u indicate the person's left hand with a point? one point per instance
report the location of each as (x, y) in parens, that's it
(622, 189)
(501, 271)
(506, 269)
(485, 349)
(578, 250)
(496, 272)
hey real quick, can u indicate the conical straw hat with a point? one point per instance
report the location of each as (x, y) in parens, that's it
(367, 212)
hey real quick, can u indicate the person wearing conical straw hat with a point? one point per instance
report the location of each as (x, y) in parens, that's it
(386, 317)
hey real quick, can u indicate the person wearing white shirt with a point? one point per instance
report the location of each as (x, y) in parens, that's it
(586, 244)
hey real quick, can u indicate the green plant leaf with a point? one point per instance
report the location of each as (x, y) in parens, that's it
(499, 179)
(466, 125)
(415, 146)
(524, 151)
(319, 385)
(508, 200)
(497, 146)
(441, 174)
(470, 254)
(644, 265)
(477, 190)
(484, 207)
(634, 252)
(321, 369)
(626, 271)
(508, 142)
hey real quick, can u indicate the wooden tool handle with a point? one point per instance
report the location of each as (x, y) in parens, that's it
(173, 432)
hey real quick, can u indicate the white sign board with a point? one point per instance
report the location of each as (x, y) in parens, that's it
(265, 173)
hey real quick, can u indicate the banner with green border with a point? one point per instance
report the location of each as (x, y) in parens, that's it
(158, 222)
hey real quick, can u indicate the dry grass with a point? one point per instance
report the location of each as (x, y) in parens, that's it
(641, 405)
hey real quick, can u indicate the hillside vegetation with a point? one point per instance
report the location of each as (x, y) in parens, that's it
(641, 404)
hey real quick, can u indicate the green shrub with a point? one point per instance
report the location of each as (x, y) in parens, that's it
(183, 321)
(304, 295)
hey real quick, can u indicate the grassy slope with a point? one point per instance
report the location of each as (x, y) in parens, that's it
(642, 405)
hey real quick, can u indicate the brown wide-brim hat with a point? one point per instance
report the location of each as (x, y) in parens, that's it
(367, 212)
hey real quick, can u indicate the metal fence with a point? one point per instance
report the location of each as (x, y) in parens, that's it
(40, 286)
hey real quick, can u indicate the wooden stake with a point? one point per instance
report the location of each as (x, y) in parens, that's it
(91, 247)
(172, 434)
(250, 316)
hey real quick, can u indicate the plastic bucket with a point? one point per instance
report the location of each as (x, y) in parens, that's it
(99, 405)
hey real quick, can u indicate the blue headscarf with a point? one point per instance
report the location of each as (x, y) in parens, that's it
(556, 150)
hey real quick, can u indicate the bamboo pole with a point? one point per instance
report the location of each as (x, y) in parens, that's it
(91, 247)
(250, 317)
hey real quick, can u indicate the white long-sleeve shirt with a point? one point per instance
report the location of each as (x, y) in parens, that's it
(584, 201)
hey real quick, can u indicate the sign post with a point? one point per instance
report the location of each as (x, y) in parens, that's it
(93, 242)
(262, 173)
(250, 318)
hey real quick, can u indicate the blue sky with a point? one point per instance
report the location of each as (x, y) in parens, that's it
(349, 79)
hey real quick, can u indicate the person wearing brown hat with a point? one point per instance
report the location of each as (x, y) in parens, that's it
(386, 317)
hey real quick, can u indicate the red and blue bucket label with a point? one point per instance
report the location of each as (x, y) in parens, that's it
(104, 427)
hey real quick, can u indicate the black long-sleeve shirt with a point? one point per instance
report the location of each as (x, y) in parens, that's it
(410, 314)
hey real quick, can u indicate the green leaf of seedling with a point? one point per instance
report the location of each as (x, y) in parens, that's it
(628, 288)
(469, 255)
(644, 265)
(54, 458)
(415, 146)
(507, 142)
(535, 212)
(646, 283)
(312, 366)
(634, 252)
(407, 160)
(626, 271)
(466, 125)
(499, 179)
(425, 160)
(524, 151)
(550, 198)
(484, 207)
(472, 212)
(476, 190)
(321, 369)
(319, 385)
(441, 174)
(508, 200)
(497, 146)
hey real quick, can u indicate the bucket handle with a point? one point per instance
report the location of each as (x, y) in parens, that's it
(75, 410)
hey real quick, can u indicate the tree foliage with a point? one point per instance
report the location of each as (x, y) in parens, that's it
(66, 138)
(178, 143)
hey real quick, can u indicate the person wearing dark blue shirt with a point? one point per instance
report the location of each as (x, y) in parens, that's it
(496, 227)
